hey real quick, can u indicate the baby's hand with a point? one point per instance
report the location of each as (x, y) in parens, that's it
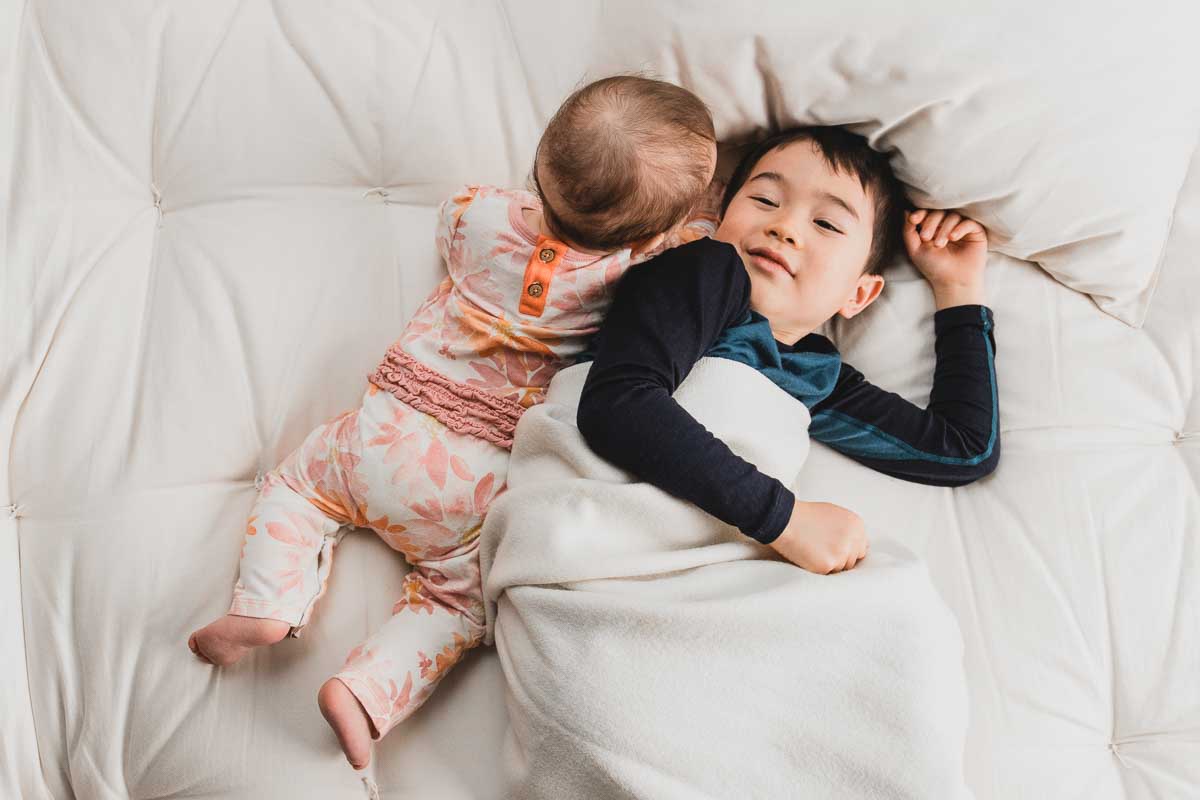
(950, 250)
(822, 538)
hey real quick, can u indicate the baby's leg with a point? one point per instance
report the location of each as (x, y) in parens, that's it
(396, 670)
(429, 490)
(388, 677)
(288, 550)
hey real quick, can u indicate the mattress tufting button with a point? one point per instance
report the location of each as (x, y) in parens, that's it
(379, 190)
(157, 202)
(13, 511)
(259, 480)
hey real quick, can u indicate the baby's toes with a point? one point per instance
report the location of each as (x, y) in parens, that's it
(194, 646)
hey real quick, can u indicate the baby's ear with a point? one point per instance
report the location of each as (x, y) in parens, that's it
(866, 291)
(646, 245)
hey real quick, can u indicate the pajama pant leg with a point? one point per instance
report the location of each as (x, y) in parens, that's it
(396, 670)
(424, 489)
(428, 489)
(296, 522)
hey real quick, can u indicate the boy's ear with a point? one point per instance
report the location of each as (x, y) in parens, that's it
(865, 292)
(646, 245)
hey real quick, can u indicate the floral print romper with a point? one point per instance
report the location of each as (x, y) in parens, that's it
(426, 453)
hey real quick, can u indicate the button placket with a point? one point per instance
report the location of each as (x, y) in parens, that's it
(539, 271)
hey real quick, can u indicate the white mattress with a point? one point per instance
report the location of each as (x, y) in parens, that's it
(196, 271)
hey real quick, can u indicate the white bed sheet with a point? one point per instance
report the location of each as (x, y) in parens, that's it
(195, 272)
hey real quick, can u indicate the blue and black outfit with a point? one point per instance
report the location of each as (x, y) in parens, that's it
(694, 301)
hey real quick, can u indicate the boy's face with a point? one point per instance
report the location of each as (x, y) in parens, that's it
(804, 234)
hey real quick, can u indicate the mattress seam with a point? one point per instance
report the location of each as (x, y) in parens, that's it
(20, 47)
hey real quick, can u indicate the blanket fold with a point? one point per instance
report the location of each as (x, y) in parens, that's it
(652, 651)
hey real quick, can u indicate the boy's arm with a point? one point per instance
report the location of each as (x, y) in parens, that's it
(957, 438)
(954, 441)
(665, 316)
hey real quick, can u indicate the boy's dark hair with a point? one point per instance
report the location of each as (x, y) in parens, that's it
(630, 157)
(850, 154)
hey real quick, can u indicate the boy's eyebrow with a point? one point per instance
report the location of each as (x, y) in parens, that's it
(775, 177)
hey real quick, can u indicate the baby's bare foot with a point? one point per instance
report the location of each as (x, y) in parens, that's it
(349, 721)
(223, 642)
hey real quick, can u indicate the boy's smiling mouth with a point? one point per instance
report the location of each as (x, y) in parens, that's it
(767, 259)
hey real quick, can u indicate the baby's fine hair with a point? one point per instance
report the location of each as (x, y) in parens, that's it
(849, 154)
(630, 156)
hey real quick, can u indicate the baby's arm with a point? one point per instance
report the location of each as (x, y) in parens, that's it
(450, 214)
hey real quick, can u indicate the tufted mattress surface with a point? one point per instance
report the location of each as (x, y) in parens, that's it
(217, 216)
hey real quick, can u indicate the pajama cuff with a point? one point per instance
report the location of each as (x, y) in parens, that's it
(954, 316)
(377, 701)
(263, 609)
(783, 502)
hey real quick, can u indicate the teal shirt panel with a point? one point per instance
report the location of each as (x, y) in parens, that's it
(808, 377)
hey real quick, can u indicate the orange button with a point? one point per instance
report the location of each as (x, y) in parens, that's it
(539, 272)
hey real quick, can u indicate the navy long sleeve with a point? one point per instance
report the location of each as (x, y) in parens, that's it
(668, 312)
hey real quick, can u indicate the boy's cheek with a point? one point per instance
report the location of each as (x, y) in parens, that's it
(722, 234)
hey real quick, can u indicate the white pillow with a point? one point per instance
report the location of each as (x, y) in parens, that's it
(1064, 127)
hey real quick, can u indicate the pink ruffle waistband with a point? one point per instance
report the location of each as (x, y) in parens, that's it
(461, 408)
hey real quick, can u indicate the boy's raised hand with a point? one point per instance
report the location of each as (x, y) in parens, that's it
(950, 250)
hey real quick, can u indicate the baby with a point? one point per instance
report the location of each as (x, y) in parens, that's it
(620, 167)
(810, 218)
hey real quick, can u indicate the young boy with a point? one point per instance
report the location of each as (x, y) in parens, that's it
(809, 219)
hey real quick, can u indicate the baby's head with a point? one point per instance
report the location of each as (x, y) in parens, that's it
(622, 162)
(830, 208)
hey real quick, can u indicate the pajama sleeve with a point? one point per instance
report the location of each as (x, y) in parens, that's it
(665, 315)
(954, 441)
(450, 216)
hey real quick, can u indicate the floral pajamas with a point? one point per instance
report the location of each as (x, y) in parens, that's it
(421, 488)
(426, 453)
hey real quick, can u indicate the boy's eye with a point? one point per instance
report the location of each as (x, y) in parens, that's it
(828, 225)
(764, 201)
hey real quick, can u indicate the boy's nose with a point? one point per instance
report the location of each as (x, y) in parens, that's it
(784, 235)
